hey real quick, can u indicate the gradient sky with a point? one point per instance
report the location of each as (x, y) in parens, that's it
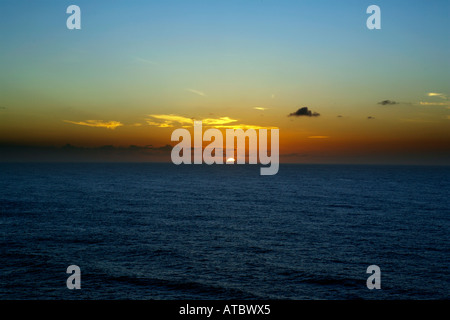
(139, 69)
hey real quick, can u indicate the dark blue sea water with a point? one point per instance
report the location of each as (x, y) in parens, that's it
(160, 231)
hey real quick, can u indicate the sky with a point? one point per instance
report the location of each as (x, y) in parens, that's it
(137, 70)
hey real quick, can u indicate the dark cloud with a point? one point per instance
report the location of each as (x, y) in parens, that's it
(295, 154)
(339, 116)
(69, 152)
(304, 112)
(370, 117)
(387, 102)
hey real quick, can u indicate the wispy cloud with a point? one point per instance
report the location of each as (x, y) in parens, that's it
(219, 121)
(435, 94)
(172, 117)
(417, 121)
(435, 103)
(97, 123)
(167, 120)
(165, 124)
(171, 120)
(260, 108)
(243, 127)
(370, 118)
(197, 92)
(304, 112)
(139, 59)
(426, 103)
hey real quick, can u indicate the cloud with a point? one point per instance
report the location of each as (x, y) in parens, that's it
(370, 117)
(70, 153)
(224, 123)
(200, 93)
(260, 108)
(167, 120)
(387, 102)
(417, 121)
(170, 120)
(339, 116)
(243, 127)
(425, 103)
(435, 103)
(219, 121)
(294, 154)
(304, 112)
(97, 123)
(145, 61)
(435, 94)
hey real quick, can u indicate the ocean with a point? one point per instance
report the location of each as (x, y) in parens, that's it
(166, 232)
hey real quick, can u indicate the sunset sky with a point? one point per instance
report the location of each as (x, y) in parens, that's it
(137, 70)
